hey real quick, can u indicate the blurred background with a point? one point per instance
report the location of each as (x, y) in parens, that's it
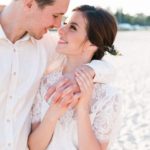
(133, 73)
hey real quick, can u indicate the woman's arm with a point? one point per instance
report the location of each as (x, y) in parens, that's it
(86, 136)
(42, 133)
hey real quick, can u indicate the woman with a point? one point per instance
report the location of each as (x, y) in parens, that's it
(86, 124)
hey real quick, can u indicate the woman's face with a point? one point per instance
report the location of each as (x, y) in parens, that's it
(73, 36)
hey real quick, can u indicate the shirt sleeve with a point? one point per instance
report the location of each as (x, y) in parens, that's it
(104, 72)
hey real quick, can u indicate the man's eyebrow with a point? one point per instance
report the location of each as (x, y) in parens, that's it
(59, 14)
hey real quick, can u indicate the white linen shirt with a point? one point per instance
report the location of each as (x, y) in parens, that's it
(22, 65)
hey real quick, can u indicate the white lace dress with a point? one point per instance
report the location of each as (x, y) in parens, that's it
(105, 109)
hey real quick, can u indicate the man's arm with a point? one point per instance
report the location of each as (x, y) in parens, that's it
(104, 71)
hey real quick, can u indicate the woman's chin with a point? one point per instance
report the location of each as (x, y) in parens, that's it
(61, 51)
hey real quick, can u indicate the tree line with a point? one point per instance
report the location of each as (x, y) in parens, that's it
(138, 19)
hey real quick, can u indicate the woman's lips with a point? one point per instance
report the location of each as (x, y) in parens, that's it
(61, 41)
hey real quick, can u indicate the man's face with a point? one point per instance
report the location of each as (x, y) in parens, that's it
(39, 20)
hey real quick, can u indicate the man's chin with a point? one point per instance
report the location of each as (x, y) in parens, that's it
(38, 37)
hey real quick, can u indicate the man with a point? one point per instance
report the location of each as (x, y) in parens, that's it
(26, 50)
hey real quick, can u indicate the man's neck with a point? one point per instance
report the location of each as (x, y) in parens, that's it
(11, 25)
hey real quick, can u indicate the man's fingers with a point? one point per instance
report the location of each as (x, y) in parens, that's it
(62, 82)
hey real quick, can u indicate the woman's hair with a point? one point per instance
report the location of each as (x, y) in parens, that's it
(101, 29)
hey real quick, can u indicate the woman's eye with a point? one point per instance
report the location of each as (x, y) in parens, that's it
(64, 23)
(73, 27)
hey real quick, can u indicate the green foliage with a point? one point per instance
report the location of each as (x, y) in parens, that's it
(138, 19)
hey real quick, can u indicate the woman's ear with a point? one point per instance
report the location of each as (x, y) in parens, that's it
(90, 47)
(93, 48)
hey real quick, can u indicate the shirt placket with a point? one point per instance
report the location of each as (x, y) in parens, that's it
(10, 102)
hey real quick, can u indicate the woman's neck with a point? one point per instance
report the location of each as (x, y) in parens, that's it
(73, 62)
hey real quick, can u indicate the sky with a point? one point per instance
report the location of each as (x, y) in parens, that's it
(131, 7)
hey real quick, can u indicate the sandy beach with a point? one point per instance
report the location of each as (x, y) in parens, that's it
(133, 78)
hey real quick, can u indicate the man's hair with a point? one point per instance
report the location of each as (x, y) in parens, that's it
(43, 3)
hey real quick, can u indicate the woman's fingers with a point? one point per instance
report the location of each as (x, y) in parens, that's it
(75, 100)
(86, 82)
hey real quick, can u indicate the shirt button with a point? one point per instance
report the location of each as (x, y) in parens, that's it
(14, 73)
(8, 120)
(10, 97)
(9, 144)
(14, 50)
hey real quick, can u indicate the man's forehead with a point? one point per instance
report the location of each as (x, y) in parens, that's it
(57, 9)
(61, 7)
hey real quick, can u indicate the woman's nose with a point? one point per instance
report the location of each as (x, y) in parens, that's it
(61, 30)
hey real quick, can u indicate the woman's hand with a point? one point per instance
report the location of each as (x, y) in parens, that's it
(85, 82)
(63, 99)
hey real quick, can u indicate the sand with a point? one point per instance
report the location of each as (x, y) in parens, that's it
(133, 78)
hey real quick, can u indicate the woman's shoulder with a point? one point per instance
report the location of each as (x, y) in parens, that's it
(105, 95)
(105, 90)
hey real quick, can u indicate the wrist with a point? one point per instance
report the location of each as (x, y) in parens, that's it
(83, 111)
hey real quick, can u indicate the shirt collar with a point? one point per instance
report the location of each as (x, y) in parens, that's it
(26, 37)
(2, 34)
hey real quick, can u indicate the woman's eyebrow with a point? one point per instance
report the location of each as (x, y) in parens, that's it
(74, 23)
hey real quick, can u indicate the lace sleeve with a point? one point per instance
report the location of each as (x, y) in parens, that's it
(106, 120)
(36, 108)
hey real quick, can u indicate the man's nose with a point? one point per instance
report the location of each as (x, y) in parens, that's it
(57, 23)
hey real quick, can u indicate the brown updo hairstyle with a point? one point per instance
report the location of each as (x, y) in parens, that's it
(101, 29)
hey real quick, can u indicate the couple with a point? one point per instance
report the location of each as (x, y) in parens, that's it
(76, 112)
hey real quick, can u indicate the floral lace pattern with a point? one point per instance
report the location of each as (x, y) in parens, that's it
(105, 107)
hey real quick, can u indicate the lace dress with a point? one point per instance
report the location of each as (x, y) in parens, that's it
(105, 109)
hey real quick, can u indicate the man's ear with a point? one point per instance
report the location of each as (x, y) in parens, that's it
(28, 3)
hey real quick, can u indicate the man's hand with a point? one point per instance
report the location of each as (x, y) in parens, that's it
(85, 69)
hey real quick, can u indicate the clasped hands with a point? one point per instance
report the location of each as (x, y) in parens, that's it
(74, 90)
